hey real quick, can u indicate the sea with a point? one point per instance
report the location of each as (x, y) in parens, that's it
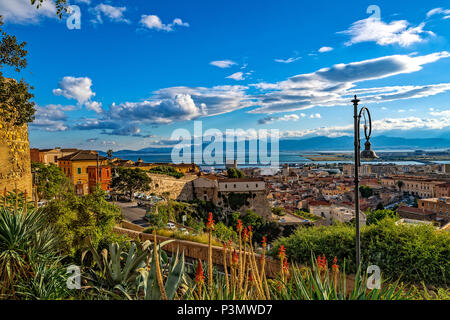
(291, 158)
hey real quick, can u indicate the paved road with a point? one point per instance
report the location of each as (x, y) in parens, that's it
(131, 212)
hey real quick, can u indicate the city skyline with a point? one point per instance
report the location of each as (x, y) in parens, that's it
(135, 72)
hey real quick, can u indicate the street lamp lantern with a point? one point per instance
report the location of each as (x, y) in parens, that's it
(367, 153)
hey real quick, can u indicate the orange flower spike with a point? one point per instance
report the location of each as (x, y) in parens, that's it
(239, 225)
(335, 266)
(250, 231)
(210, 223)
(235, 258)
(199, 277)
(282, 252)
(245, 235)
(285, 266)
(264, 241)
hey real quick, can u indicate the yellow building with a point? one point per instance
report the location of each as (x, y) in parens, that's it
(75, 166)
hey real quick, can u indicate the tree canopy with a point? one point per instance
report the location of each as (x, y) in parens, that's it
(130, 181)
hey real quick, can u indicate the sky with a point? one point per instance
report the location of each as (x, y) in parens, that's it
(131, 72)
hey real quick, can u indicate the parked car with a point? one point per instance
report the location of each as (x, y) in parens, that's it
(171, 226)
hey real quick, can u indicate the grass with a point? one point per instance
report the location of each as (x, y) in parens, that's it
(176, 234)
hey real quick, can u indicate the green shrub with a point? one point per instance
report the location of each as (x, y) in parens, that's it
(167, 170)
(414, 253)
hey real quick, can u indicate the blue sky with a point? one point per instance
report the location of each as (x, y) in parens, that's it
(138, 70)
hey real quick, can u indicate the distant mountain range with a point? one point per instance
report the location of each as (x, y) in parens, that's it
(330, 144)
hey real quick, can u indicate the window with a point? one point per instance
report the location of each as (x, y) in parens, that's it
(79, 170)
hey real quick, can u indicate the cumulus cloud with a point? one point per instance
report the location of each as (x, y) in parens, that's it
(333, 86)
(444, 113)
(396, 32)
(94, 106)
(155, 23)
(289, 60)
(22, 12)
(222, 63)
(325, 49)
(114, 14)
(75, 88)
(270, 119)
(78, 89)
(51, 118)
(315, 116)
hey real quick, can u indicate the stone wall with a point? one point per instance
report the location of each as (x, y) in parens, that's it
(195, 250)
(179, 189)
(15, 165)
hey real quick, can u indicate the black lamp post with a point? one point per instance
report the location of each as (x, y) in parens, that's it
(368, 154)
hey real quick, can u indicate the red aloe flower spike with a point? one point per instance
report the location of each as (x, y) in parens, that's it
(245, 235)
(235, 258)
(282, 252)
(239, 225)
(199, 277)
(264, 241)
(210, 223)
(335, 266)
(285, 266)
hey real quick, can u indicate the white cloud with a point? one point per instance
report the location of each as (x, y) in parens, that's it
(325, 49)
(440, 11)
(51, 118)
(75, 88)
(114, 14)
(315, 116)
(335, 85)
(154, 22)
(383, 125)
(238, 76)
(287, 117)
(222, 63)
(396, 32)
(22, 12)
(94, 105)
(159, 111)
(444, 113)
(289, 60)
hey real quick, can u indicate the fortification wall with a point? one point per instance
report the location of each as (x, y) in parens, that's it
(178, 189)
(15, 165)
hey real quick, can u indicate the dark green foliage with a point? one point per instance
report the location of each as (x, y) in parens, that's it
(374, 216)
(380, 206)
(235, 173)
(366, 191)
(80, 218)
(61, 5)
(236, 200)
(14, 96)
(167, 170)
(414, 253)
(279, 211)
(130, 181)
(50, 180)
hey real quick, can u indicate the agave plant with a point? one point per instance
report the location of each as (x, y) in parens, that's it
(318, 283)
(137, 273)
(47, 283)
(25, 239)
